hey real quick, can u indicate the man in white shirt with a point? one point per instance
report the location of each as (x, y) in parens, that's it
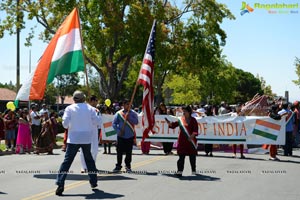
(35, 123)
(44, 110)
(95, 140)
(79, 118)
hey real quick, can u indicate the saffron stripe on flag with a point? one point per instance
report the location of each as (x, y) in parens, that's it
(107, 124)
(264, 134)
(268, 124)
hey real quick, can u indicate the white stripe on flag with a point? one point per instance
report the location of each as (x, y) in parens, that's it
(67, 43)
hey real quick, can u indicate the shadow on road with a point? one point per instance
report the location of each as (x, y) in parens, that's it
(3, 193)
(197, 177)
(98, 194)
(79, 177)
(289, 161)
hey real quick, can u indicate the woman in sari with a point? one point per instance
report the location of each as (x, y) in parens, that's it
(187, 142)
(45, 139)
(24, 140)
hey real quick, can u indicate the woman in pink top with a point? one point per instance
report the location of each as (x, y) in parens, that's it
(24, 140)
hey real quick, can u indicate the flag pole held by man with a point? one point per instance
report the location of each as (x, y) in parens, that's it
(145, 78)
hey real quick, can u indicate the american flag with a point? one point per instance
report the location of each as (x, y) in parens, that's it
(146, 79)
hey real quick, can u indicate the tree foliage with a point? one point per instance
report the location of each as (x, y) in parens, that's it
(297, 71)
(51, 94)
(185, 89)
(267, 90)
(115, 34)
(8, 86)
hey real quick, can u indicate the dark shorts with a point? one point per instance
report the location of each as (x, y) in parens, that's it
(35, 131)
(10, 134)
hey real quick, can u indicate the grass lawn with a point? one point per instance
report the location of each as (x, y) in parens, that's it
(59, 140)
(2, 147)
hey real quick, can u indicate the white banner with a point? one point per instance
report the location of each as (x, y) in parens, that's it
(212, 130)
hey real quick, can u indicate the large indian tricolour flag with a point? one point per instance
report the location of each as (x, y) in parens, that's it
(63, 55)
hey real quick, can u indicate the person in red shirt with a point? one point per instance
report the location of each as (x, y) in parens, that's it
(10, 122)
(187, 142)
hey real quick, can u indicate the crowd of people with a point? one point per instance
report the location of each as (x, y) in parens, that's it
(27, 131)
(35, 130)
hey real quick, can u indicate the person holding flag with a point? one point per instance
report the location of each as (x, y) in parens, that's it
(290, 118)
(123, 122)
(187, 142)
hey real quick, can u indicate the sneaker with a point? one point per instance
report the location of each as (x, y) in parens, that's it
(117, 169)
(59, 190)
(243, 157)
(194, 173)
(93, 186)
(128, 169)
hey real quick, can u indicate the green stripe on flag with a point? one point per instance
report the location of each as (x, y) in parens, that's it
(69, 63)
(265, 134)
(110, 133)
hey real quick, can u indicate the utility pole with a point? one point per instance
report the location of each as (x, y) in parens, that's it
(18, 47)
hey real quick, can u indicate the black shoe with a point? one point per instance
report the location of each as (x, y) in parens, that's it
(178, 174)
(117, 169)
(59, 190)
(93, 186)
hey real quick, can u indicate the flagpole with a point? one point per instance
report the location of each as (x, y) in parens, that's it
(84, 59)
(137, 82)
(130, 104)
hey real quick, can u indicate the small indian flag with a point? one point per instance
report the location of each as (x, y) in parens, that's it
(266, 129)
(63, 55)
(108, 129)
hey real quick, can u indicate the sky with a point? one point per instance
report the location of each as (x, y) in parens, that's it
(263, 42)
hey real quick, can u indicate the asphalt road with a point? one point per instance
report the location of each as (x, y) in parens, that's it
(32, 177)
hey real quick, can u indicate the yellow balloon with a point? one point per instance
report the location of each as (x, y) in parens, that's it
(107, 102)
(10, 105)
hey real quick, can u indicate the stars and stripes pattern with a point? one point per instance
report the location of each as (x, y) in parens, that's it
(145, 78)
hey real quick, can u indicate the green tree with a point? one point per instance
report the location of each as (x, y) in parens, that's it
(9, 85)
(297, 71)
(219, 83)
(115, 34)
(185, 89)
(50, 94)
(67, 84)
(266, 88)
(248, 86)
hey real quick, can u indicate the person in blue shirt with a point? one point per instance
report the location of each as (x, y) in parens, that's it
(124, 122)
(285, 111)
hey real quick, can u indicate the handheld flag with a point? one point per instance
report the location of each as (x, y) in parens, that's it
(145, 78)
(63, 55)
